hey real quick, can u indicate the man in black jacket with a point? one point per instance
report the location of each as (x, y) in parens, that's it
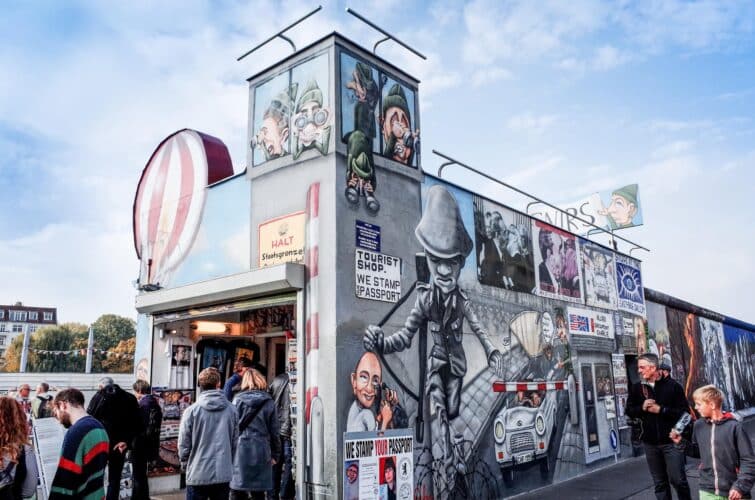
(658, 403)
(147, 443)
(118, 412)
(283, 485)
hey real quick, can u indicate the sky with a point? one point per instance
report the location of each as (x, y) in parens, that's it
(561, 99)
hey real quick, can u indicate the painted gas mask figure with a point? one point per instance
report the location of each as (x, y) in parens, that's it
(311, 123)
(444, 307)
(272, 137)
(395, 122)
(366, 93)
(360, 172)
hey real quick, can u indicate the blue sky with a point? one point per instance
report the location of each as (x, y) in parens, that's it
(559, 98)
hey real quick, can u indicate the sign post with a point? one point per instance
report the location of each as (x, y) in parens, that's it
(615, 444)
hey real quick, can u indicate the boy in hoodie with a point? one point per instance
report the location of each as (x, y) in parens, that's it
(207, 441)
(727, 468)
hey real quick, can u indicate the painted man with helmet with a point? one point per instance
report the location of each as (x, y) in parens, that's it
(444, 307)
(311, 122)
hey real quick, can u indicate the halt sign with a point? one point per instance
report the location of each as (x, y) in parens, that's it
(378, 276)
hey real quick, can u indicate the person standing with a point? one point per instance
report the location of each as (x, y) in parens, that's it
(81, 470)
(23, 397)
(207, 440)
(727, 469)
(118, 411)
(259, 442)
(283, 485)
(233, 384)
(658, 403)
(147, 443)
(41, 406)
(18, 466)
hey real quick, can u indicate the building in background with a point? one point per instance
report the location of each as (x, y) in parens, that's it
(18, 319)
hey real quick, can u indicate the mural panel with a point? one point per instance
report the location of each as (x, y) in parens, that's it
(715, 367)
(740, 348)
(273, 104)
(503, 247)
(599, 271)
(687, 354)
(312, 118)
(629, 285)
(658, 336)
(400, 138)
(557, 269)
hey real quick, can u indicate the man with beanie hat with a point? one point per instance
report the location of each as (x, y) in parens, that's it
(623, 207)
(395, 121)
(311, 125)
(443, 306)
(360, 171)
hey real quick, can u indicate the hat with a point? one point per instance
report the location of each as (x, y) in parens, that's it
(281, 103)
(665, 366)
(441, 230)
(359, 157)
(396, 98)
(365, 73)
(629, 193)
(311, 92)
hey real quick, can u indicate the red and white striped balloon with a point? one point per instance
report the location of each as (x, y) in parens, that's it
(170, 200)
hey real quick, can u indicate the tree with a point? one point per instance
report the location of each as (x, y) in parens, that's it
(13, 355)
(57, 338)
(111, 329)
(122, 358)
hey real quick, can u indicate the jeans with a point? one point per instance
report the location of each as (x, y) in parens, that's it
(246, 495)
(283, 484)
(115, 462)
(139, 469)
(217, 491)
(666, 464)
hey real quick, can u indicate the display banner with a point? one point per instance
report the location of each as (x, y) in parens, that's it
(282, 240)
(629, 285)
(621, 387)
(378, 276)
(378, 466)
(587, 322)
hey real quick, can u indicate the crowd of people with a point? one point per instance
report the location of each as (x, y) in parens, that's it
(236, 446)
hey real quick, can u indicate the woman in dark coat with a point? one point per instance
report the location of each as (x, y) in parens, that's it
(259, 442)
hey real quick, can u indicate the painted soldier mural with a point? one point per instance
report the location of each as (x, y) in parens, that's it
(399, 140)
(360, 172)
(443, 307)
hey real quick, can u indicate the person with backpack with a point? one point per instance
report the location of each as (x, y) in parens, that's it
(41, 406)
(258, 447)
(118, 411)
(147, 443)
(727, 468)
(18, 466)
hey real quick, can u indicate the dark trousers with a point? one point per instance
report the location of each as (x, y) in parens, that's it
(115, 460)
(246, 495)
(139, 470)
(283, 483)
(217, 491)
(666, 464)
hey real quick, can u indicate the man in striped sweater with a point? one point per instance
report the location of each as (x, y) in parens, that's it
(81, 469)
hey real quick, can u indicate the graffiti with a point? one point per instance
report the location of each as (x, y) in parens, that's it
(503, 242)
(687, 352)
(629, 285)
(311, 122)
(740, 347)
(375, 406)
(273, 103)
(716, 369)
(359, 91)
(557, 267)
(360, 172)
(399, 140)
(599, 271)
(623, 208)
(658, 336)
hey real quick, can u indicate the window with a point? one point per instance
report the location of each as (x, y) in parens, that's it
(18, 328)
(2, 340)
(33, 328)
(48, 316)
(33, 315)
(17, 316)
(2, 327)
(2, 353)
(2, 313)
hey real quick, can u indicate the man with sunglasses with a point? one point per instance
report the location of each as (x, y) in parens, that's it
(658, 402)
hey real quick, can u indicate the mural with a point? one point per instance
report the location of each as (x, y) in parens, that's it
(400, 139)
(629, 285)
(273, 101)
(312, 119)
(740, 348)
(659, 338)
(687, 352)
(557, 267)
(503, 246)
(360, 95)
(715, 367)
(599, 271)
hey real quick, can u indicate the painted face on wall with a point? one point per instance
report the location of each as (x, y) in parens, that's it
(272, 137)
(310, 123)
(444, 273)
(554, 260)
(389, 474)
(395, 123)
(367, 376)
(621, 210)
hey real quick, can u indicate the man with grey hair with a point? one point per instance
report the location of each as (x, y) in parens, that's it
(118, 411)
(657, 402)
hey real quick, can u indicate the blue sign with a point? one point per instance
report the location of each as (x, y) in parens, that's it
(614, 440)
(368, 236)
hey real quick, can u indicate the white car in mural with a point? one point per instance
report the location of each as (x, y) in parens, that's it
(523, 432)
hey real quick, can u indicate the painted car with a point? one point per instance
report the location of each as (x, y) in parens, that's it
(522, 433)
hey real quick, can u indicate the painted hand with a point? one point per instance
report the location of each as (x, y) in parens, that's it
(495, 362)
(373, 339)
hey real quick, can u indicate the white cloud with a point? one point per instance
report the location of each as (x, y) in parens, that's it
(528, 122)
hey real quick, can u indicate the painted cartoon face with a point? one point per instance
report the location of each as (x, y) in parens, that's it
(561, 327)
(444, 273)
(621, 210)
(368, 375)
(352, 473)
(395, 123)
(272, 137)
(310, 122)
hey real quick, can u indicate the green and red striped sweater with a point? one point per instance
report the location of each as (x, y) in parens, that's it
(81, 469)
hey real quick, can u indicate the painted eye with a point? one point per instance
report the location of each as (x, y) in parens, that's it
(301, 121)
(321, 116)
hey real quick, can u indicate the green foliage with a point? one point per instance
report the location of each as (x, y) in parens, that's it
(111, 329)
